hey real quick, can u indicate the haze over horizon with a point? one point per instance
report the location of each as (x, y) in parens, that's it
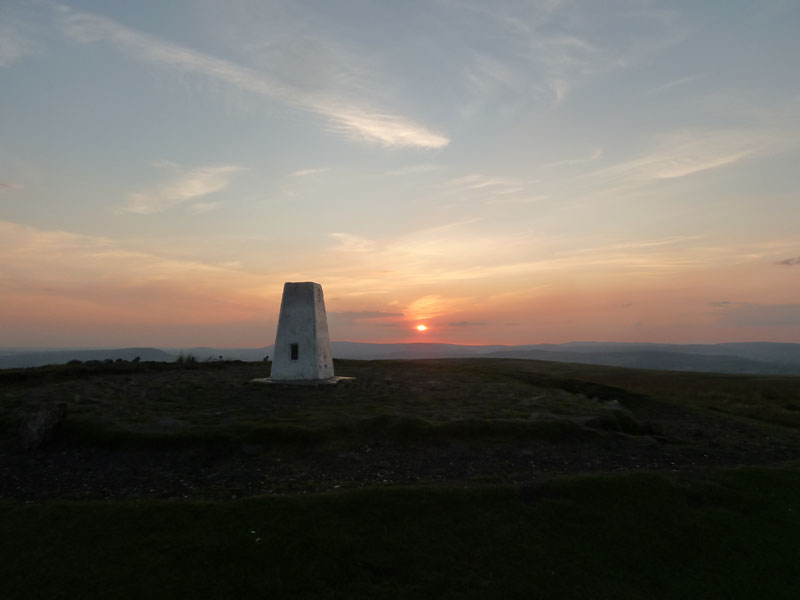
(503, 173)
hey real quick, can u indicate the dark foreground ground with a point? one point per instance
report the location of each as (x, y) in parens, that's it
(438, 478)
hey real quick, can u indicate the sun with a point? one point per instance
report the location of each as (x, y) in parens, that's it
(422, 327)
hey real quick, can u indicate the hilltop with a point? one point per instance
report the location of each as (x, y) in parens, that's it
(464, 478)
(400, 422)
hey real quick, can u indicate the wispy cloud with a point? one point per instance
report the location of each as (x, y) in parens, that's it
(7, 187)
(415, 170)
(351, 117)
(430, 306)
(686, 153)
(351, 317)
(496, 81)
(306, 172)
(479, 181)
(596, 155)
(467, 253)
(182, 186)
(466, 324)
(14, 43)
(490, 189)
(673, 84)
(94, 277)
(369, 314)
(789, 262)
(353, 243)
(198, 208)
(552, 47)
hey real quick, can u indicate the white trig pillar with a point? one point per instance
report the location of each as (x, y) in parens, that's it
(302, 345)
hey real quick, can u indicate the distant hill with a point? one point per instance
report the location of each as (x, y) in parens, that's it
(358, 350)
(762, 351)
(659, 359)
(741, 357)
(203, 353)
(745, 357)
(13, 360)
(352, 350)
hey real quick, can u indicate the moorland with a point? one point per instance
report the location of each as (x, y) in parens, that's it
(420, 478)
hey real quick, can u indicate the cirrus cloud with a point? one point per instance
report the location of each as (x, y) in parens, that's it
(183, 186)
(352, 117)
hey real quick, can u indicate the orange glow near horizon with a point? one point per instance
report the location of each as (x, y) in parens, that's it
(80, 290)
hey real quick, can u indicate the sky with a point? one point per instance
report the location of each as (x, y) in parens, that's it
(505, 172)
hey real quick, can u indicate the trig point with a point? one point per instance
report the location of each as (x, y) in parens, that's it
(302, 345)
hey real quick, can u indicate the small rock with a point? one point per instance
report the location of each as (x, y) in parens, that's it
(40, 427)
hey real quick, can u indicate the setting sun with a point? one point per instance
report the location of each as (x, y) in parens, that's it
(421, 327)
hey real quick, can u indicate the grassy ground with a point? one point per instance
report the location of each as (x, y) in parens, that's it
(451, 478)
(772, 398)
(215, 399)
(733, 535)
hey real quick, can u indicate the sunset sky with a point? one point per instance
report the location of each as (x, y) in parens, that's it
(501, 172)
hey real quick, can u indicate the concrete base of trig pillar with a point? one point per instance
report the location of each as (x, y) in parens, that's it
(302, 350)
(315, 382)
